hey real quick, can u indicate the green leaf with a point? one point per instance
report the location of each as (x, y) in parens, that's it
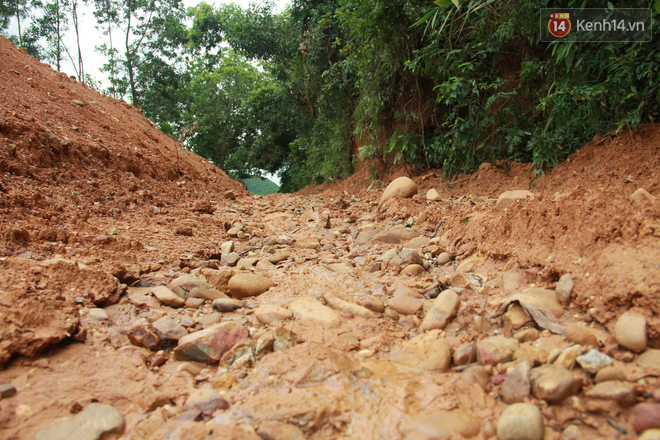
(657, 6)
(443, 3)
(455, 2)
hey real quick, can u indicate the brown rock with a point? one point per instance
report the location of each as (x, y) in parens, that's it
(269, 313)
(401, 187)
(650, 358)
(7, 391)
(219, 278)
(507, 197)
(405, 304)
(142, 336)
(630, 331)
(227, 305)
(641, 196)
(249, 284)
(431, 425)
(621, 392)
(208, 346)
(610, 373)
(521, 421)
(495, 349)
(582, 335)
(413, 270)
(205, 400)
(428, 351)
(541, 298)
(645, 416)
(477, 375)
(167, 297)
(564, 288)
(516, 386)
(553, 383)
(310, 308)
(166, 328)
(270, 430)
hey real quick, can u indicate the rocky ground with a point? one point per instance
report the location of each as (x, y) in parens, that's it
(145, 295)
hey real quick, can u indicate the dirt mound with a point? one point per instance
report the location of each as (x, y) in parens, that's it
(71, 160)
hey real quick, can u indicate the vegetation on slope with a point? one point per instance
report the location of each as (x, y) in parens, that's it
(312, 90)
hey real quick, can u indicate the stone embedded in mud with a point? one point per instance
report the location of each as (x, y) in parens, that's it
(393, 235)
(477, 375)
(507, 197)
(428, 351)
(516, 386)
(553, 383)
(413, 270)
(445, 307)
(443, 258)
(92, 423)
(248, 284)
(310, 308)
(185, 283)
(269, 313)
(417, 243)
(650, 358)
(271, 430)
(168, 329)
(431, 425)
(594, 361)
(372, 303)
(227, 305)
(227, 247)
(405, 304)
(402, 187)
(346, 305)
(432, 194)
(143, 336)
(206, 294)
(405, 258)
(207, 346)
(231, 259)
(630, 331)
(466, 354)
(619, 391)
(205, 400)
(521, 421)
(218, 278)
(642, 196)
(645, 416)
(167, 297)
(308, 243)
(582, 335)
(610, 373)
(495, 349)
(98, 314)
(564, 288)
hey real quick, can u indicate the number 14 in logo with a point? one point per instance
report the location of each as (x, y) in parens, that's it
(559, 24)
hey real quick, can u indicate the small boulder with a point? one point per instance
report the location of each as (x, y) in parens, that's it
(564, 288)
(168, 329)
(406, 305)
(269, 313)
(429, 351)
(205, 400)
(402, 187)
(507, 197)
(143, 336)
(92, 423)
(630, 331)
(516, 386)
(553, 383)
(310, 308)
(581, 335)
(207, 346)
(248, 284)
(645, 416)
(521, 421)
(594, 361)
(167, 297)
(432, 194)
(495, 349)
(227, 305)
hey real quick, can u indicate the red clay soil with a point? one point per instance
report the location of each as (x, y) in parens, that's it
(98, 208)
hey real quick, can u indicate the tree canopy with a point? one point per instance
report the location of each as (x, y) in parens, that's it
(313, 90)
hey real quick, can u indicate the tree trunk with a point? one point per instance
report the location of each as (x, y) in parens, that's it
(129, 56)
(18, 20)
(81, 72)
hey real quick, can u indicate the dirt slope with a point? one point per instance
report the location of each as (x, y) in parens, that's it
(342, 337)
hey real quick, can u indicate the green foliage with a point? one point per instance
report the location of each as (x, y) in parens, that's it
(260, 186)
